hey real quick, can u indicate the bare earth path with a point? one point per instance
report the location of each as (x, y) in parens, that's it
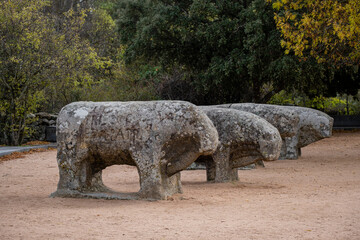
(315, 197)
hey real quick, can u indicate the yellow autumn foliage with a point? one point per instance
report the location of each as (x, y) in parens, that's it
(328, 30)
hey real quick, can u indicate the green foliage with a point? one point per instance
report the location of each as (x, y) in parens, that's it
(125, 84)
(204, 51)
(85, 61)
(227, 51)
(282, 98)
(112, 81)
(107, 5)
(23, 30)
(340, 105)
(37, 49)
(328, 30)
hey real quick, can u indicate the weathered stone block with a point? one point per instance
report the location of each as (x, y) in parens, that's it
(298, 126)
(313, 126)
(244, 138)
(160, 138)
(286, 120)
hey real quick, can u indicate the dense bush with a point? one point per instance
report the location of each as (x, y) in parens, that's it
(339, 105)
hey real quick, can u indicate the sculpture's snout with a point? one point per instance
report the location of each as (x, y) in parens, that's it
(209, 138)
(326, 127)
(270, 146)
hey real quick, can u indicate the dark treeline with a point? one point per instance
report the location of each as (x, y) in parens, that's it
(207, 52)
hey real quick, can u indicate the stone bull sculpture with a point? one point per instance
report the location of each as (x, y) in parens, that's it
(244, 138)
(298, 126)
(286, 120)
(313, 126)
(160, 138)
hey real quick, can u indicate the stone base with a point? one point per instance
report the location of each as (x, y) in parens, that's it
(98, 195)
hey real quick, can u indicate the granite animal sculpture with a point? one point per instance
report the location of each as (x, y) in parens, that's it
(313, 126)
(298, 126)
(160, 138)
(244, 138)
(286, 120)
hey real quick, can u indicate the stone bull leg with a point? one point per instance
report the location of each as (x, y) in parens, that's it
(160, 138)
(244, 138)
(285, 119)
(289, 148)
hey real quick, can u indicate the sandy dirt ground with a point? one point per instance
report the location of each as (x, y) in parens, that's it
(315, 197)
